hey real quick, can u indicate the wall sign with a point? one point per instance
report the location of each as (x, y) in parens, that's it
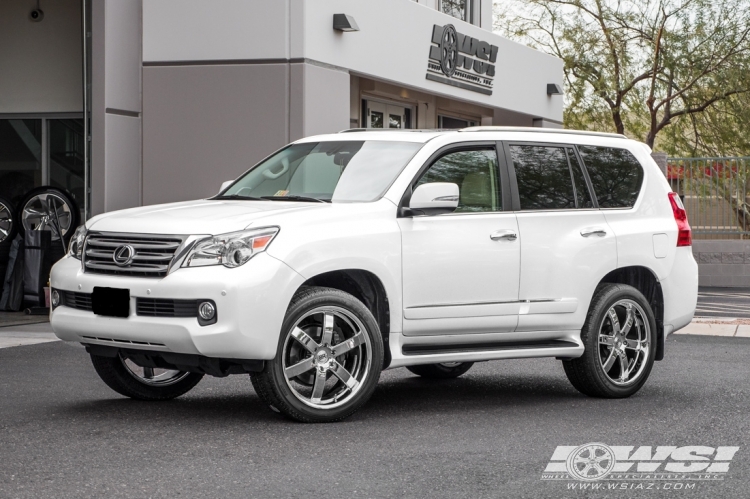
(461, 61)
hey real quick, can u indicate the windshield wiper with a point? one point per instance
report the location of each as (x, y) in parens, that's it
(294, 198)
(237, 196)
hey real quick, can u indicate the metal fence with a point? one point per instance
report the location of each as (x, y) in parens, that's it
(715, 194)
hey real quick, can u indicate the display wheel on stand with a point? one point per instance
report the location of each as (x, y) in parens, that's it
(51, 209)
(7, 233)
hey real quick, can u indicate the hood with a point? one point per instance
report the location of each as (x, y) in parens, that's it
(196, 217)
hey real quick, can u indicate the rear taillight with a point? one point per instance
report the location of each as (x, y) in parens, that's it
(684, 234)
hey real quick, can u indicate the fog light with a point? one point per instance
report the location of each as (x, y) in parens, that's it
(206, 311)
(54, 298)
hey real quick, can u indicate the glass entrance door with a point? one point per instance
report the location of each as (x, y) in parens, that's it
(381, 115)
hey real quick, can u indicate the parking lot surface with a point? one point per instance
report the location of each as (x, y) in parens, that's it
(723, 302)
(491, 433)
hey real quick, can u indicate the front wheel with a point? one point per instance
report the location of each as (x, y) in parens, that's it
(618, 337)
(143, 383)
(328, 360)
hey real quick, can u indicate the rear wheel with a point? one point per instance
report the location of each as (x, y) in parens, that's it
(143, 383)
(329, 358)
(618, 337)
(444, 370)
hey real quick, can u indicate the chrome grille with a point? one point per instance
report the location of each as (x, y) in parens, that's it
(152, 257)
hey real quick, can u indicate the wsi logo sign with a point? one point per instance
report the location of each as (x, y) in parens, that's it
(597, 461)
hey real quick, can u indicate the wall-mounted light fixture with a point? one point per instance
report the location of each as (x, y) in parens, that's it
(344, 22)
(554, 89)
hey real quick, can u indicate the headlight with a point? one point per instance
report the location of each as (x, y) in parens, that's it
(231, 250)
(75, 249)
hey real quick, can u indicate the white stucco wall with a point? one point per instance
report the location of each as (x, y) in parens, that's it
(392, 45)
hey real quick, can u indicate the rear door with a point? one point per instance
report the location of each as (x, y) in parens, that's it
(566, 244)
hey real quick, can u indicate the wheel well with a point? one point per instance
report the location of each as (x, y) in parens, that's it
(646, 282)
(367, 288)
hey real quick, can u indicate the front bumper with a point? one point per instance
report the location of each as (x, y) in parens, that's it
(251, 302)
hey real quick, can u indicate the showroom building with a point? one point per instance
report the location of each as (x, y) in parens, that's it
(180, 95)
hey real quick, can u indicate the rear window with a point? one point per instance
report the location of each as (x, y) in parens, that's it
(615, 175)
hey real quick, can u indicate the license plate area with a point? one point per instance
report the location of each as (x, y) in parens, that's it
(112, 302)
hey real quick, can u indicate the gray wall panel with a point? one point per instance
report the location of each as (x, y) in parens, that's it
(40, 62)
(177, 30)
(123, 54)
(326, 100)
(206, 124)
(122, 187)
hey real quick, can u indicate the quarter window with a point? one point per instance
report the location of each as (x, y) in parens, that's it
(476, 174)
(549, 178)
(615, 174)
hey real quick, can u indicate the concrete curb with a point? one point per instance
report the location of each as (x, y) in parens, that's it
(717, 326)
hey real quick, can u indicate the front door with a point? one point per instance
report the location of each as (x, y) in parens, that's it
(567, 244)
(461, 270)
(382, 115)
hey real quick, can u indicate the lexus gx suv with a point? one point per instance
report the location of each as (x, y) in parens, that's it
(342, 255)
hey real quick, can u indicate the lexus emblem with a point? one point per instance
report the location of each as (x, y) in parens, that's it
(123, 255)
(448, 50)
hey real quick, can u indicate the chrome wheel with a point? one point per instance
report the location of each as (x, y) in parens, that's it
(327, 357)
(6, 221)
(45, 211)
(153, 376)
(624, 342)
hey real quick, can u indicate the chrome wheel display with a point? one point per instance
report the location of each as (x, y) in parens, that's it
(45, 211)
(152, 375)
(7, 221)
(327, 357)
(624, 342)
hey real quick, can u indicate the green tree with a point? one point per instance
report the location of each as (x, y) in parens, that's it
(642, 66)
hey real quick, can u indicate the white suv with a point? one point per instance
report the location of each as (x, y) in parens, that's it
(345, 254)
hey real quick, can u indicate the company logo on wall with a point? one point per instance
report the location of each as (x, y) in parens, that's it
(461, 61)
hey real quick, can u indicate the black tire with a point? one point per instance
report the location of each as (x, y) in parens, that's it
(587, 373)
(116, 375)
(441, 371)
(59, 195)
(271, 384)
(8, 225)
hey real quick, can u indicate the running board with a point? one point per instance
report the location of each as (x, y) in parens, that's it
(410, 350)
(433, 352)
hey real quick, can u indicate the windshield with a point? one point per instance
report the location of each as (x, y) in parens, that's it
(327, 171)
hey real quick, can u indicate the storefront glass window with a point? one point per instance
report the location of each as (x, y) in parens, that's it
(456, 8)
(66, 162)
(20, 157)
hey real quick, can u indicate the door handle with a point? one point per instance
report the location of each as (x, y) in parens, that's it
(509, 235)
(593, 231)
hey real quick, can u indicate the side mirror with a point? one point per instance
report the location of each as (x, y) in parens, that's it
(434, 199)
(226, 184)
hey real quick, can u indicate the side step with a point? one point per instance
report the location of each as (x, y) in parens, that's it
(414, 350)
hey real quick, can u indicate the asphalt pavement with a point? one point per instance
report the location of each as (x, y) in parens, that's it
(491, 433)
(723, 302)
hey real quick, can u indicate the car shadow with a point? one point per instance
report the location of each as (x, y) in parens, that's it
(400, 395)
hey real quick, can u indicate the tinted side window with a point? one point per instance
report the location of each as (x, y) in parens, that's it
(476, 174)
(615, 175)
(543, 176)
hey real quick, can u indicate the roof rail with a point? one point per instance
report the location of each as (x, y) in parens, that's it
(353, 130)
(539, 130)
